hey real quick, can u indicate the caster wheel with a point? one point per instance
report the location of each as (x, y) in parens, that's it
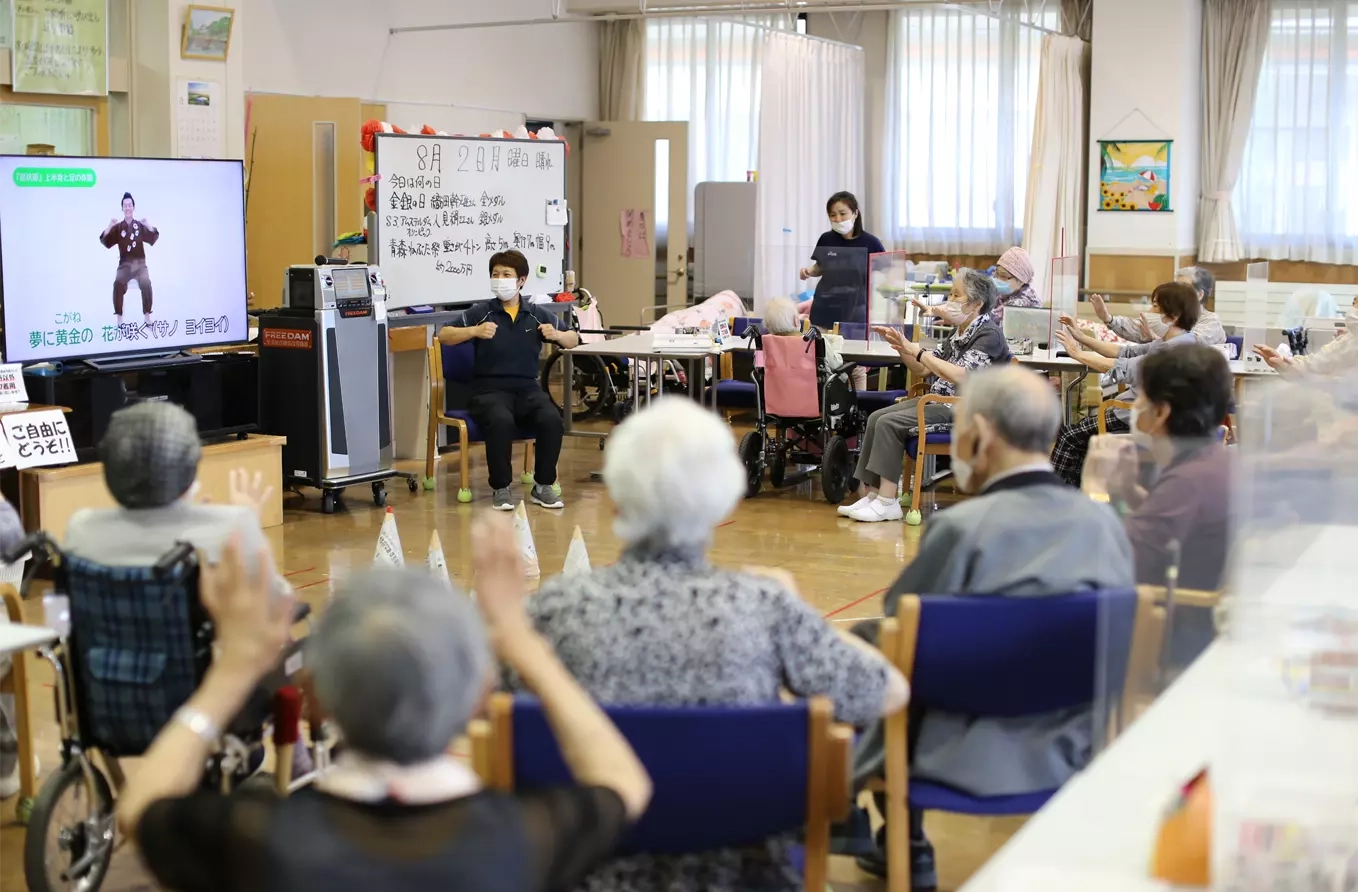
(526, 478)
(413, 485)
(464, 495)
(429, 484)
(912, 518)
(328, 502)
(23, 810)
(379, 495)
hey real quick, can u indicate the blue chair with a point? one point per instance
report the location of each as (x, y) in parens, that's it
(1239, 342)
(732, 392)
(452, 365)
(872, 400)
(725, 777)
(938, 443)
(1001, 657)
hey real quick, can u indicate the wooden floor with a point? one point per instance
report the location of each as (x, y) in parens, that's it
(842, 568)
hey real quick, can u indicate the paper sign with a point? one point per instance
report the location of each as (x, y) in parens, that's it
(556, 212)
(6, 454)
(635, 238)
(60, 46)
(12, 388)
(39, 438)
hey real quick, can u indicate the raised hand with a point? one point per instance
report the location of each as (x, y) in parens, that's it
(251, 623)
(1100, 307)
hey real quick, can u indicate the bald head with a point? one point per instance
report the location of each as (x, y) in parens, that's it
(1020, 406)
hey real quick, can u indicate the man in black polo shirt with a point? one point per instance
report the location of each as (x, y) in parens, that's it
(508, 334)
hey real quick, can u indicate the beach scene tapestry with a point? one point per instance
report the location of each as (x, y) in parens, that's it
(1134, 176)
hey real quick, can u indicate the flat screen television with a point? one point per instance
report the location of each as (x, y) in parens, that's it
(108, 256)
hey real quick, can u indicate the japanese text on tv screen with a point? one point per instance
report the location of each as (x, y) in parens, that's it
(103, 256)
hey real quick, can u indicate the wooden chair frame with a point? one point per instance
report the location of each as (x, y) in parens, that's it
(16, 683)
(437, 399)
(899, 640)
(914, 467)
(1104, 406)
(829, 780)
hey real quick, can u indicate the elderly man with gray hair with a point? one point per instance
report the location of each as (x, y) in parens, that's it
(1025, 534)
(150, 454)
(400, 663)
(975, 343)
(1150, 327)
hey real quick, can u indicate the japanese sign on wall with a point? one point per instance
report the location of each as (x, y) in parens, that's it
(60, 46)
(38, 438)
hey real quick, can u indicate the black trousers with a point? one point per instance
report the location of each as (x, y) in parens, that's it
(501, 414)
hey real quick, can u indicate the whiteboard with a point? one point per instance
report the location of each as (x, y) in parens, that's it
(445, 204)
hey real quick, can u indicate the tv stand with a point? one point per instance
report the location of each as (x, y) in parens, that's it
(142, 361)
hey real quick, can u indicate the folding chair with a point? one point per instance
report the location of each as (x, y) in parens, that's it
(725, 777)
(998, 657)
(459, 371)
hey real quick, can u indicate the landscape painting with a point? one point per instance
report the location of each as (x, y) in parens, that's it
(1134, 175)
(207, 33)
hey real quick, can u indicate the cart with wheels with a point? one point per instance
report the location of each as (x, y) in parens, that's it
(332, 489)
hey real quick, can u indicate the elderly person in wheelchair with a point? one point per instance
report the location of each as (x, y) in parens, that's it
(780, 318)
(976, 342)
(401, 664)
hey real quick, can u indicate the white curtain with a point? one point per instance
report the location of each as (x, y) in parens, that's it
(1295, 195)
(706, 71)
(810, 146)
(1051, 220)
(622, 49)
(1234, 38)
(962, 93)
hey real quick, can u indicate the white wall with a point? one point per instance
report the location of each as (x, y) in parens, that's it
(1152, 89)
(343, 48)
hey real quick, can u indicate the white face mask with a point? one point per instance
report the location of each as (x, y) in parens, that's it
(962, 470)
(1141, 437)
(844, 227)
(504, 289)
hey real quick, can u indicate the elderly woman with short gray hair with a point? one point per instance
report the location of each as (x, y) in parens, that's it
(400, 663)
(664, 627)
(780, 319)
(976, 342)
(1150, 327)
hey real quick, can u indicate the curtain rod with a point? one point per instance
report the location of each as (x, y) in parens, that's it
(708, 11)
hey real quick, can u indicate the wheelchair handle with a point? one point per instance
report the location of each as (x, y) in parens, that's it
(181, 554)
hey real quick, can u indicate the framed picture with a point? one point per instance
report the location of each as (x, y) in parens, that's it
(1134, 175)
(207, 33)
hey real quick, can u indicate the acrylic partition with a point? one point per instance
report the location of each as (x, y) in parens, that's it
(835, 276)
(1286, 785)
(1064, 299)
(898, 289)
(1255, 328)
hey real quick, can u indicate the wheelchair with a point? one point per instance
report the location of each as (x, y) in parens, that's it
(829, 442)
(138, 645)
(602, 385)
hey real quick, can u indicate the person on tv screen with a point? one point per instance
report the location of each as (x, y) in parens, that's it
(131, 236)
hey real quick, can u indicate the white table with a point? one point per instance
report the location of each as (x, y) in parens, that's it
(15, 637)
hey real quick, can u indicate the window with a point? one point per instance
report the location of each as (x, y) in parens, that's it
(25, 128)
(964, 94)
(706, 72)
(1293, 199)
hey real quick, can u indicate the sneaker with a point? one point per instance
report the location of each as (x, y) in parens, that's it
(877, 511)
(502, 499)
(847, 510)
(923, 871)
(546, 497)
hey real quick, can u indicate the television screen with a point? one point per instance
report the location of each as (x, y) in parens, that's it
(101, 256)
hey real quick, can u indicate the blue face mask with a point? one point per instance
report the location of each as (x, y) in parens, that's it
(1004, 287)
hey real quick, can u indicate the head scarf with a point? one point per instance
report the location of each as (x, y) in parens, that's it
(1019, 264)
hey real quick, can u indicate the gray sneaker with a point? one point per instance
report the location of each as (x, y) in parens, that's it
(502, 499)
(547, 497)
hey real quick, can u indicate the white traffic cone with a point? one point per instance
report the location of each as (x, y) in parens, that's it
(524, 534)
(438, 567)
(389, 552)
(577, 558)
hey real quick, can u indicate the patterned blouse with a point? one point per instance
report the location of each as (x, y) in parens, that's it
(981, 344)
(1024, 297)
(663, 627)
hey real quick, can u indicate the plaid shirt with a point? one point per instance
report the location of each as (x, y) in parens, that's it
(980, 345)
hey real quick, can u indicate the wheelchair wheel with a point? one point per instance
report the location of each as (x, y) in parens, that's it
(752, 456)
(835, 472)
(70, 835)
(778, 468)
(589, 384)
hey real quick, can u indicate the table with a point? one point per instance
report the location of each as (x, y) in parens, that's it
(639, 348)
